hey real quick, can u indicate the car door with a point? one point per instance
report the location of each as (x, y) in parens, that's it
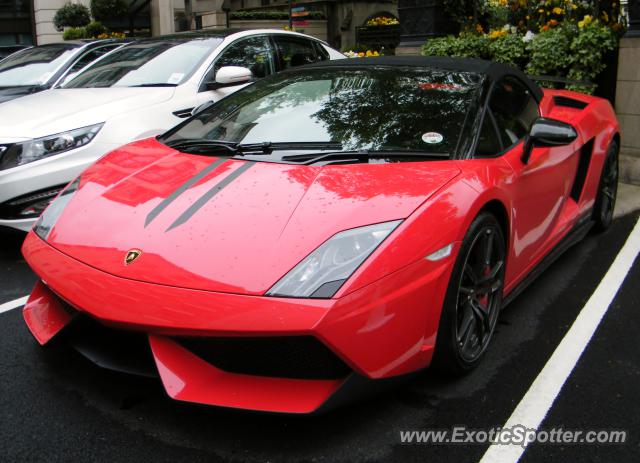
(254, 53)
(540, 188)
(292, 51)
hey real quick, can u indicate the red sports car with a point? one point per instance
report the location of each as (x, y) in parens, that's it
(323, 230)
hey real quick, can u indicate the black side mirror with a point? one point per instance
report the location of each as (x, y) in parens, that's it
(548, 132)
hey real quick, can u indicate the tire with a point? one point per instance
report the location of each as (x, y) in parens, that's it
(607, 190)
(474, 298)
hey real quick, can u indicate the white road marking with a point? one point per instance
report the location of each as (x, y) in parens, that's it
(13, 304)
(534, 406)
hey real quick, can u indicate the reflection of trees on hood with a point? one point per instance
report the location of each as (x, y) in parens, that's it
(395, 110)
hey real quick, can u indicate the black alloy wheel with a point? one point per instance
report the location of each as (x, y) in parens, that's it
(608, 190)
(474, 297)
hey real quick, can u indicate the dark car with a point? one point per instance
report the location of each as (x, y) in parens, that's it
(39, 68)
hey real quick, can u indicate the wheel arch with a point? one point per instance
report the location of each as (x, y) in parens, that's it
(499, 210)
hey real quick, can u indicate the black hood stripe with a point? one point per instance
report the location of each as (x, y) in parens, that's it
(205, 198)
(184, 187)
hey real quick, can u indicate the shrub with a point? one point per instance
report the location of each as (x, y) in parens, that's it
(71, 15)
(75, 33)
(465, 46)
(549, 53)
(588, 47)
(109, 9)
(95, 29)
(509, 49)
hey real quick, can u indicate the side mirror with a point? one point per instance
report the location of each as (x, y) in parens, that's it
(229, 76)
(548, 132)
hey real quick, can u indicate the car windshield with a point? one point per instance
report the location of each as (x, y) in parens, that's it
(34, 66)
(367, 109)
(147, 64)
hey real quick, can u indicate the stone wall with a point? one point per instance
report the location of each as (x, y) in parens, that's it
(628, 108)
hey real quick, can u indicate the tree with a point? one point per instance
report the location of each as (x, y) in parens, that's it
(72, 15)
(109, 9)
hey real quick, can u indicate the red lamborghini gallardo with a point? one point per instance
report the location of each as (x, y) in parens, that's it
(323, 230)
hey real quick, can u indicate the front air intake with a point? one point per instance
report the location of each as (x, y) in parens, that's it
(297, 357)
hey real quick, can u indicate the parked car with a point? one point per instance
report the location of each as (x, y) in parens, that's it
(137, 91)
(8, 50)
(325, 230)
(39, 68)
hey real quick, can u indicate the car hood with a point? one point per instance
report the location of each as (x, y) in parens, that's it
(10, 93)
(227, 225)
(59, 110)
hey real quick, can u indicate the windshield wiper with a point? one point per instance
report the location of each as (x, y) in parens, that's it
(154, 84)
(308, 159)
(206, 145)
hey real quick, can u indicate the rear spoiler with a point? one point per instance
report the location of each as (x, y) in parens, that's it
(562, 80)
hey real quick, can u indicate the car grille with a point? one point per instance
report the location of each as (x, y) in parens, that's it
(30, 205)
(299, 357)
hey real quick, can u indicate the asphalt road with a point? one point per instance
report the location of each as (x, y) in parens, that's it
(54, 406)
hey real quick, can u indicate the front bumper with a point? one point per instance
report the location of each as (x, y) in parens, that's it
(43, 175)
(383, 330)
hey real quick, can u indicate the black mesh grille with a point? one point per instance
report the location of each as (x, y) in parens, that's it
(301, 357)
(38, 200)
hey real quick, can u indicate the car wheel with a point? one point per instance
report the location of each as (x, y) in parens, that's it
(607, 190)
(474, 297)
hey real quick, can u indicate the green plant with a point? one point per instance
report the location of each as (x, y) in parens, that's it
(509, 49)
(466, 46)
(549, 53)
(588, 45)
(75, 33)
(95, 28)
(109, 9)
(71, 15)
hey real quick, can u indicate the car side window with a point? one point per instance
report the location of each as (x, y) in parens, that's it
(488, 141)
(294, 51)
(323, 54)
(514, 109)
(91, 56)
(253, 53)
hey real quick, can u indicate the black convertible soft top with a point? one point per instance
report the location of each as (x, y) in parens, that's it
(491, 69)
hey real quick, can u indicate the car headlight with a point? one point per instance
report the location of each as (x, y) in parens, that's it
(50, 216)
(40, 148)
(323, 272)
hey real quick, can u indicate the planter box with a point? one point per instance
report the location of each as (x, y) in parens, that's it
(378, 36)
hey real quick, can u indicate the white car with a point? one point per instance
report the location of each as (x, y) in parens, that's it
(138, 91)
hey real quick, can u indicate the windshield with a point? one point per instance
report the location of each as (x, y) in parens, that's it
(34, 66)
(157, 63)
(372, 109)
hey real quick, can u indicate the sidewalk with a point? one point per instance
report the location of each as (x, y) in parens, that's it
(628, 199)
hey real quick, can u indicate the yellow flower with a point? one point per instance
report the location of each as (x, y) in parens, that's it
(580, 24)
(557, 10)
(540, 11)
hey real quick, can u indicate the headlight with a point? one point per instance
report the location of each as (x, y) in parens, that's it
(40, 148)
(49, 217)
(323, 272)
